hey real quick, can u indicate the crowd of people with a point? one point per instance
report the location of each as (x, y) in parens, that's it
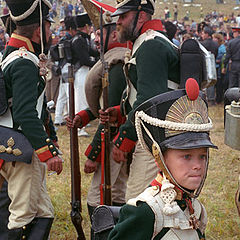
(147, 112)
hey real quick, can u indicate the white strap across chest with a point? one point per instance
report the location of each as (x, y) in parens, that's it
(6, 119)
(148, 35)
(178, 222)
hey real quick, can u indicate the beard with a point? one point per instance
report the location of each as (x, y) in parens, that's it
(127, 33)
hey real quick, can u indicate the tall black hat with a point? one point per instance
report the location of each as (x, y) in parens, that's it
(25, 12)
(178, 119)
(69, 22)
(124, 6)
(82, 20)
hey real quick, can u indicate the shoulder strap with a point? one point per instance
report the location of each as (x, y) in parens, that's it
(21, 52)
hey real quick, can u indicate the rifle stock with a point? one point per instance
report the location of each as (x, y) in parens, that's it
(107, 168)
(75, 167)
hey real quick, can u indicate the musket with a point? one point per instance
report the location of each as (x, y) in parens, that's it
(75, 167)
(105, 186)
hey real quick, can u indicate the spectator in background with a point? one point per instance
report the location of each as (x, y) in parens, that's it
(54, 9)
(76, 8)
(166, 13)
(66, 10)
(217, 37)
(62, 11)
(62, 26)
(233, 57)
(171, 30)
(70, 9)
(211, 46)
(238, 20)
(175, 12)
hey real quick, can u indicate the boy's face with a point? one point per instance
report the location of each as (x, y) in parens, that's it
(187, 166)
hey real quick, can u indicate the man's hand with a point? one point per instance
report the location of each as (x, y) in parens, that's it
(119, 155)
(55, 164)
(109, 115)
(90, 166)
(223, 70)
(76, 122)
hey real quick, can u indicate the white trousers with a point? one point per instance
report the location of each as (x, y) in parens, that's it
(79, 89)
(143, 170)
(27, 191)
(118, 181)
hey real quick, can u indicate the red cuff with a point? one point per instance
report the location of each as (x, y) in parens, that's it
(125, 145)
(121, 119)
(84, 117)
(1, 162)
(44, 154)
(89, 155)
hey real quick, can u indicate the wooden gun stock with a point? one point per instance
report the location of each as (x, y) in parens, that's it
(75, 167)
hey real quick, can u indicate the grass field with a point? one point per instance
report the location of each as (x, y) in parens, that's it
(221, 184)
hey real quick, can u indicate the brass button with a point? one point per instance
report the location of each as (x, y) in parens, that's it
(93, 157)
(51, 146)
(99, 146)
(96, 151)
(121, 138)
(48, 140)
(9, 150)
(23, 237)
(54, 153)
(24, 227)
(118, 145)
(124, 132)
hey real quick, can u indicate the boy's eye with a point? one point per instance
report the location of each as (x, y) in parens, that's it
(203, 157)
(187, 156)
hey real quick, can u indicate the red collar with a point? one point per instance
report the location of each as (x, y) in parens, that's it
(152, 24)
(158, 182)
(128, 44)
(20, 41)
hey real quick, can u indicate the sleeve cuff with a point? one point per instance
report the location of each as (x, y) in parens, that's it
(123, 143)
(46, 152)
(84, 117)
(1, 162)
(121, 119)
(93, 154)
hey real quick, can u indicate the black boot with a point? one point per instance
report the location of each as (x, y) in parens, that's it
(90, 212)
(15, 234)
(40, 228)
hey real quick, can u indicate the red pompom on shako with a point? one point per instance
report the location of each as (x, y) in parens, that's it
(192, 89)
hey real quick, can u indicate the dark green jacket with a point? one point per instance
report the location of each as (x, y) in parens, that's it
(24, 85)
(156, 63)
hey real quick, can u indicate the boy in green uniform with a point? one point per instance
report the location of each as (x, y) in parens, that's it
(174, 127)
